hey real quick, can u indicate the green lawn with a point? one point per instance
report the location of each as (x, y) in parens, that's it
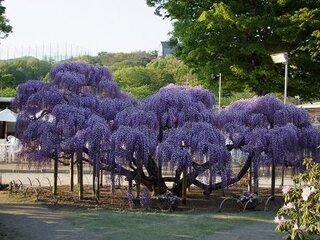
(114, 225)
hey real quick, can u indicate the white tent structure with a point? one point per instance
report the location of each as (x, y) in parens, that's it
(7, 115)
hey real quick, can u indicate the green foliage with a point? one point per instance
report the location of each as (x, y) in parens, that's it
(300, 215)
(8, 92)
(89, 59)
(142, 81)
(138, 73)
(16, 71)
(173, 71)
(135, 80)
(5, 28)
(114, 61)
(236, 38)
(235, 96)
(6, 80)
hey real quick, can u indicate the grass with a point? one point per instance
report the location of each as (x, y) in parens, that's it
(115, 225)
(7, 233)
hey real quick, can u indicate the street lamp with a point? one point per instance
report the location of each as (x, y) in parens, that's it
(282, 58)
(214, 77)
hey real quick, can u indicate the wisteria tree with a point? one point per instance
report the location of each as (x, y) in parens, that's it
(72, 115)
(170, 140)
(270, 133)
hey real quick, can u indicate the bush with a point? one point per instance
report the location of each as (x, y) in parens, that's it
(168, 200)
(4, 186)
(300, 215)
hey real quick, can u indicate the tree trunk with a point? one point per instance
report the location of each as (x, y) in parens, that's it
(184, 186)
(101, 178)
(282, 175)
(96, 181)
(159, 184)
(138, 177)
(112, 181)
(55, 174)
(206, 187)
(94, 170)
(256, 178)
(273, 179)
(72, 173)
(80, 174)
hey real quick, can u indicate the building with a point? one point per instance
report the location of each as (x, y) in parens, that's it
(6, 128)
(314, 112)
(5, 102)
(165, 50)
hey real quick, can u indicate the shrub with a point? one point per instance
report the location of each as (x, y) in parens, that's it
(169, 199)
(248, 196)
(300, 214)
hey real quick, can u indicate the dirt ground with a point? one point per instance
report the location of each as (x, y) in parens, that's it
(33, 221)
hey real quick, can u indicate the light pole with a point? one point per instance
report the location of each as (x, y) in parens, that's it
(282, 58)
(214, 77)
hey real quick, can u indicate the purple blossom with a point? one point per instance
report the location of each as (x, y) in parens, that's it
(24, 91)
(175, 105)
(145, 198)
(109, 89)
(292, 114)
(135, 117)
(269, 130)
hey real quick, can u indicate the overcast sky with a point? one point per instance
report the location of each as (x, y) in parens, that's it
(94, 25)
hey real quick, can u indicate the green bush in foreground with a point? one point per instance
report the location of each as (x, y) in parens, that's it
(300, 214)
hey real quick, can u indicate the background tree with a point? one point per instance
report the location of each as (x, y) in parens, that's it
(237, 38)
(114, 61)
(143, 81)
(138, 81)
(5, 28)
(16, 71)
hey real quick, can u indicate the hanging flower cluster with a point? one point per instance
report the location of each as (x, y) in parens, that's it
(270, 131)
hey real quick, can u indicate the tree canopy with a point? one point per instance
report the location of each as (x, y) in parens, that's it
(143, 81)
(236, 38)
(5, 28)
(16, 71)
(173, 136)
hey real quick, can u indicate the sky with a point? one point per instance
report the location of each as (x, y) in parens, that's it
(86, 26)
